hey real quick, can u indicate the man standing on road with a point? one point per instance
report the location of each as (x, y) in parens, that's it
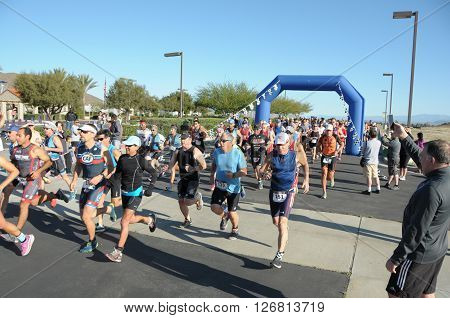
(393, 156)
(370, 151)
(327, 145)
(417, 260)
(283, 163)
(228, 166)
(71, 117)
(190, 161)
(129, 171)
(116, 131)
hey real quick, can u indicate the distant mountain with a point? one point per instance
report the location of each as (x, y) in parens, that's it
(416, 119)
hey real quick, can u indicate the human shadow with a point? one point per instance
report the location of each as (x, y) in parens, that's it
(176, 266)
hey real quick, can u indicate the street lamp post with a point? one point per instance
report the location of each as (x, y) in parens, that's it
(385, 111)
(392, 85)
(180, 54)
(407, 15)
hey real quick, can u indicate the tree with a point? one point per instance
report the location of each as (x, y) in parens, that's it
(125, 95)
(225, 98)
(284, 105)
(171, 102)
(86, 83)
(50, 91)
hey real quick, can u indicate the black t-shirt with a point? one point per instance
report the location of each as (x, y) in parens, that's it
(258, 144)
(186, 157)
(130, 170)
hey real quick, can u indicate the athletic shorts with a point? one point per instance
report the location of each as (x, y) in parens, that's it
(330, 162)
(114, 185)
(59, 167)
(411, 279)
(131, 203)
(30, 190)
(312, 144)
(404, 159)
(91, 197)
(219, 196)
(281, 202)
(187, 189)
(257, 161)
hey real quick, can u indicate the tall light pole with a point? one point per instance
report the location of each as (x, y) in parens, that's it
(180, 54)
(407, 15)
(385, 111)
(392, 83)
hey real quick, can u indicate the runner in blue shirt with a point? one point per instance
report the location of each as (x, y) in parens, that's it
(228, 166)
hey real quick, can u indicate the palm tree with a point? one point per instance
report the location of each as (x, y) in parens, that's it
(86, 83)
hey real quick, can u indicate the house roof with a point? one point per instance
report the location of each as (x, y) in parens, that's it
(8, 96)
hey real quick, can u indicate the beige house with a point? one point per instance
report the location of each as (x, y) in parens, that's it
(11, 107)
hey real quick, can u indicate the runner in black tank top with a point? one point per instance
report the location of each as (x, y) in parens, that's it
(190, 161)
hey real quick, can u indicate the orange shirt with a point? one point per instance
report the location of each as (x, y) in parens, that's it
(328, 145)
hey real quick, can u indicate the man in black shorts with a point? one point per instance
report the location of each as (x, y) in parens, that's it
(190, 162)
(129, 171)
(417, 260)
(258, 147)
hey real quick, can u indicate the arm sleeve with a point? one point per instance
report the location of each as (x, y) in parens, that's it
(422, 215)
(412, 149)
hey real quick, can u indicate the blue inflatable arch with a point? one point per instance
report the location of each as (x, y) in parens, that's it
(317, 83)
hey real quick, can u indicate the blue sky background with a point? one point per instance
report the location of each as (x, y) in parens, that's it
(250, 41)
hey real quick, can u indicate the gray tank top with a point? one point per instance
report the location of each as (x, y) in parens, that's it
(25, 163)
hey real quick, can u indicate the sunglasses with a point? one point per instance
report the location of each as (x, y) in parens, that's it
(84, 131)
(128, 146)
(100, 139)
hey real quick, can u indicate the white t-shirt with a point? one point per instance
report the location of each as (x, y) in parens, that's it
(143, 134)
(75, 133)
(370, 150)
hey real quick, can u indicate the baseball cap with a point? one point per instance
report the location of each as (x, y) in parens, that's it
(282, 138)
(13, 127)
(231, 121)
(330, 127)
(132, 140)
(88, 128)
(185, 136)
(49, 124)
(290, 129)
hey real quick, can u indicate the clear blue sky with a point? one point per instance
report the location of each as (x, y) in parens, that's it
(250, 41)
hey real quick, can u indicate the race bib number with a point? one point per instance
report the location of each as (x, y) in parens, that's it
(198, 142)
(221, 185)
(172, 148)
(279, 197)
(314, 140)
(326, 160)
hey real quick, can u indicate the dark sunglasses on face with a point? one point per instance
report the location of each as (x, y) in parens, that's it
(84, 131)
(128, 146)
(100, 139)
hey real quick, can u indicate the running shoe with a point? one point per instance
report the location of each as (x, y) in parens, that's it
(115, 256)
(402, 178)
(324, 196)
(277, 261)
(376, 191)
(260, 184)
(25, 247)
(224, 222)
(88, 247)
(233, 235)
(396, 188)
(73, 195)
(365, 192)
(61, 196)
(99, 228)
(112, 214)
(331, 183)
(186, 223)
(152, 227)
(9, 238)
(199, 201)
(243, 193)
(387, 186)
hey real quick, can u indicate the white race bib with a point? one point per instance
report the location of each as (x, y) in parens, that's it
(314, 140)
(198, 142)
(221, 185)
(326, 160)
(279, 196)
(172, 148)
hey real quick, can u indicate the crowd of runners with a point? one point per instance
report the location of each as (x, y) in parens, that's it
(277, 150)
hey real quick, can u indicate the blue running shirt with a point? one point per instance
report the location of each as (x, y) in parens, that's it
(232, 161)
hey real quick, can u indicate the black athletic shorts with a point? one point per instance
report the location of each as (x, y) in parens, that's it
(187, 189)
(219, 196)
(411, 279)
(59, 166)
(281, 203)
(131, 203)
(330, 162)
(114, 185)
(404, 159)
